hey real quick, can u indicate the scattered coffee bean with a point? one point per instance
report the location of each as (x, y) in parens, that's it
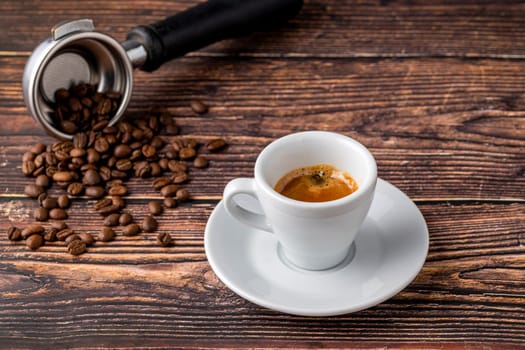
(179, 178)
(200, 162)
(118, 191)
(34, 241)
(112, 220)
(164, 239)
(169, 190)
(63, 201)
(94, 191)
(41, 214)
(182, 195)
(62, 176)
(76, 247)
(50, 235)
(215, 145)
(63, 234)
(49, 203)
(38, 148)
(109, 209)
(102, 203)
(155, 208)
(87, 238)
(125, 219)
(118, 201)
(31, 230)
(33, 190)
(75, 189)
(42, 181)
(14, 233)
(170, 202)
(187, 153)
(59, 225)
(149, 224)
(71, 238)
(57, 214)
(91, 178)
(106, 235)
(198, 107)
(131, 230)
(160, 182)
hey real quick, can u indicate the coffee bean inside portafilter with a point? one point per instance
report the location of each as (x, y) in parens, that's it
(97, 163)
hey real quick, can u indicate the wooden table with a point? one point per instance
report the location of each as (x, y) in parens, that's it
(434, 88)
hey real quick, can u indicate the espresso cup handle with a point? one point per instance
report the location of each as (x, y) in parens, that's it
(244, 186)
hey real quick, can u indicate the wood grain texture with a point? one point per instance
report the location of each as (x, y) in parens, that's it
(434, 88)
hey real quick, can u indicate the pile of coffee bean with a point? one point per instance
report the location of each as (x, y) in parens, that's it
(96, 165)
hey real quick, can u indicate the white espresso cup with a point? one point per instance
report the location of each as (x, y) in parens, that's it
(313, 235)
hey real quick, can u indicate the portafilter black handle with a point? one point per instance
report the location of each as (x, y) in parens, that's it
(207, 23)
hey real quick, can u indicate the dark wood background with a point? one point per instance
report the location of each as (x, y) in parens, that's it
(434, 88)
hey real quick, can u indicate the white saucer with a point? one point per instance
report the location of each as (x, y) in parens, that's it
(389, 251)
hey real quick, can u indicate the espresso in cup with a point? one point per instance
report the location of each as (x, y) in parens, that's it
(316, 183)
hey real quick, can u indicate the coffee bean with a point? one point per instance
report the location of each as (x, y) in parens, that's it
(112, 220)
(106, 235)
(76, 247)
(71, 238)
(187, 153)
(215, 145)
(198, 107)
(75, 189)
(122, 151)
(49, 203)
(41, 214)
(63, 201)
(92, 156)
(80, 140)
(14, 233)
(155, 208)
(61, 95)
(169, 190)
(33, 190)
(50, 235)
(34, 241)
(180, 178)
(64, 233)
(131, 230)
(170, 202)
(200, 162)
(118, 191)
(105, 173)
(58, 214)
(28, 156)
(164, 239)
(110, 209)
(124, 164)
(125, 219)
(160, 182)
(182, 195)
(157, 142)
(87, 238)
(118, 201)
(41, 198)
(95, 191)
(91, 177)
(59, 225)
(62, 176)
(149, 151)
(42, 181)
(102, 203)
(117, 174)
(77, 152)
(31, 230)
(38, 148)
(177, 167)
(149, 224)
(101, 145)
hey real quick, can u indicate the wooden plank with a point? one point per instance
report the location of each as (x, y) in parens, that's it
(323, 29)
(132, 292)
(440, 129)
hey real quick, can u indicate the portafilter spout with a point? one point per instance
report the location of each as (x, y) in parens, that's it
(77, 53)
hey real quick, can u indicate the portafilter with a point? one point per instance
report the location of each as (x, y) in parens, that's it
(77, 53)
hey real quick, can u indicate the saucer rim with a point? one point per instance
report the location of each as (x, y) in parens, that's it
(323, 312)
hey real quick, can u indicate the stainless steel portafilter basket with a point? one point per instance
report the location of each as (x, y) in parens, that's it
(76, 53)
